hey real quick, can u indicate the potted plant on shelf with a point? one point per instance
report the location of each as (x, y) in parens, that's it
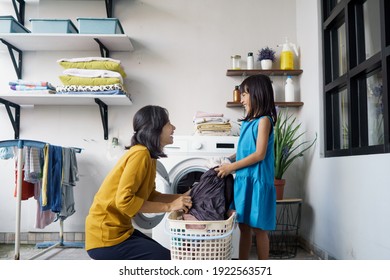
(287, 149)
(266, 57)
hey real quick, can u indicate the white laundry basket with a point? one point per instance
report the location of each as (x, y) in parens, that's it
(200, 240)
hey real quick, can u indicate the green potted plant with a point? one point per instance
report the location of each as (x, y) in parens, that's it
(287, 149)
(266, 57)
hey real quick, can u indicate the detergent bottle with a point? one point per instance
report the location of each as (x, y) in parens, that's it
(287, 55)
(289, 90)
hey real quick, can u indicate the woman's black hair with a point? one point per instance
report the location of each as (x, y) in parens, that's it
(148, 123)
(261, 96)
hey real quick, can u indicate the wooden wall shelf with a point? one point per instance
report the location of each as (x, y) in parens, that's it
(280, 104)
(271, 72)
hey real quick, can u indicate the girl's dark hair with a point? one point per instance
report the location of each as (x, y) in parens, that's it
(148, 123)
(261, 97)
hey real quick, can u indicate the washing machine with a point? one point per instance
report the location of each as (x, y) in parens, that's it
(187, 160)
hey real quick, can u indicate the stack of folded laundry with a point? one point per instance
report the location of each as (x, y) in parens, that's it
(31, 86)
(211, 124)
(92, 75)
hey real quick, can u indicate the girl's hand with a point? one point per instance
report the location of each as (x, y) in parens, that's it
(184, 203)
(223, 170)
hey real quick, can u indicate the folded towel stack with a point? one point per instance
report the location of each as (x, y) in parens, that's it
(31, 86)
(211, 124)
(92, 75)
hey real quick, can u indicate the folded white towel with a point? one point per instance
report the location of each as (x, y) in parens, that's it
(211, 119)
(200, 114)
(84, 59)
(92, 73)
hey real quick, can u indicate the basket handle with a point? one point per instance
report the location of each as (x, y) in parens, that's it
(226, 234)
(203, 237)
(195, 226)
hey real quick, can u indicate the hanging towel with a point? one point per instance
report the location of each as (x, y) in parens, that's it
(32, 164)
(43, 218)
(27, 188)
(6, 153)
(43, 197)
(51, 186)
(69, 178)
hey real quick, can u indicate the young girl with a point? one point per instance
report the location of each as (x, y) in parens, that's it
(254, 191)
(130, 188)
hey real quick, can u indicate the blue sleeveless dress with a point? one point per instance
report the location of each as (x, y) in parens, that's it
(254, 190)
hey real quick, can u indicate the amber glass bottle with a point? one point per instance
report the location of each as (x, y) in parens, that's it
(236, 94)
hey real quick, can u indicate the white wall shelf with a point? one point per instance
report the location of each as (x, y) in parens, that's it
(18, 43)
(22, 98)
(20, 7)
(67, 42)
(21, 42)
(109, 6)
(18, 99)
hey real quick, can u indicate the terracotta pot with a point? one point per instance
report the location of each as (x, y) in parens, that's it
(279, 186)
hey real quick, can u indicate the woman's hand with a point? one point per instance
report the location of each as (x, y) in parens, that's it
(187, 192)
(183, 202)
(224, 170)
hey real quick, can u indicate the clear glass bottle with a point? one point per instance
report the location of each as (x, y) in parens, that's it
(236, 62)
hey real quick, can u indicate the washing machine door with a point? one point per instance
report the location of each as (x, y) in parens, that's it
(187, 172)
(150, 220)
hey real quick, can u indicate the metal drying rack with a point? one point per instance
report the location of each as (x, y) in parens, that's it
(20, 144)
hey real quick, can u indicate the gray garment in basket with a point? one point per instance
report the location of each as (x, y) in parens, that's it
(212, 196)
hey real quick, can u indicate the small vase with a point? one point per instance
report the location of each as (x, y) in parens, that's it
(266, 64)
(279, 186)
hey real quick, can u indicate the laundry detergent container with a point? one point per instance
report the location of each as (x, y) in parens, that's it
(100, 26)
(40, 25)
(8, 24)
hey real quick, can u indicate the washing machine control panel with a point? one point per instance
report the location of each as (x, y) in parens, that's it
(202, 145)
(196, 145)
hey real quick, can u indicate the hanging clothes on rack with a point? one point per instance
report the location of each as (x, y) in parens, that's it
(28, 188)
(32, 164)
(31, 172)
(49, 188)
(6, 152)
(69, 179)
(51, 181)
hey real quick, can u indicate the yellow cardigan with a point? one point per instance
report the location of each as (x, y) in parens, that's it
(121, 195)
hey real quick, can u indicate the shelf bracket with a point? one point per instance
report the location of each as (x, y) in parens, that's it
(109, 8)
(104, 115)
(17, 64)
(19, 11)
(15, 121)
(104, 52)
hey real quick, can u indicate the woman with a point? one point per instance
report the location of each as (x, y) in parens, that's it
(130, 189)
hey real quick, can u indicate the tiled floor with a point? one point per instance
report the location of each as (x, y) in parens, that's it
(29, 251)
(7, 252)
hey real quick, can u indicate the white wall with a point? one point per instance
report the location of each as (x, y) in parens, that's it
(182, 51)
(345, 211)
